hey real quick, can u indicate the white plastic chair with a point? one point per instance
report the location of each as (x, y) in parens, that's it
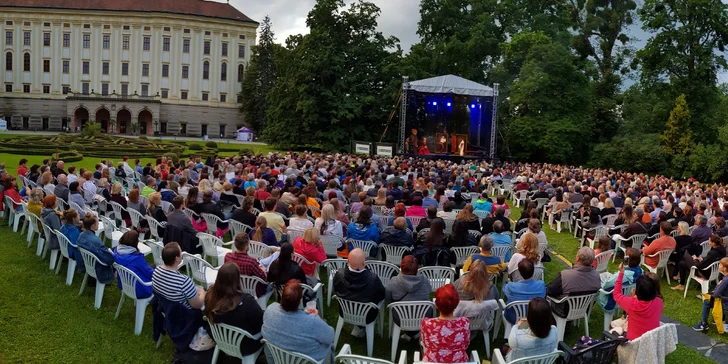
(536, 359)
(664, 256)
(156, 251)
(190, 214)
(33, 228)
(237, 227)
(366, 245)
(448, 225)
(411, 314)
(636, 239)
(293, 234)
(346, 357)
(331, 244)
(704, 283)
(608, 315)
(200, 270)
(89, 261)
(438, 276)
(521, 197)
(520, 308)
(480, 323)
(501, 251)
(118, 211)
(213, 247)
(564, 219)
(154, 226)
(129, 281)
(415, 220)
(48, 234)
(13, 216)
(64, 243)
(332, 266)
(355, 313)
(602, 260)
(394, 253)
(135, 217)
(167, 207)
(301, 260)
(462, 253)
(476, 234)
(228, 338)
(384, 270)
(250, 285)
(579, 308)
(258, 250)
(211, 221)
(280, 356)
(598, 232)
(610, 219)
(706, 248)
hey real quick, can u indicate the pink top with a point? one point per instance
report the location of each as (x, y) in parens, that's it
(643, 316)
(416, 211)
(445, 341)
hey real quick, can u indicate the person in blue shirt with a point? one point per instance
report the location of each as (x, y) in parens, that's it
(482, 203)
(428, 201)
(500, 239)
(720, 292)
(250, 182)
(363, 228)
(88, 241)
(128, 256)
(71, 231)
(523, 290)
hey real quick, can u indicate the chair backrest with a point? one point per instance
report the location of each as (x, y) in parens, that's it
(135, 216)
(538, 273)
(331, 244)
(664, 256)
(128, 279)
(448, 225)
(415, 220)
(190, 214)
(520, 308)
(411, 313)
(153, 227)
(117, 210)
(89, 261)
(610, 219)
(480, 213)
(228, 338)
(394, 253)
(476, 234)
(109, 227)
(579, 305)
(63, 242)
(438, 276)
(237, 227)
(378, 210)
(366, 245)
(156, 251)
(706, 248)
(256, 212)
(209, 243)
(713, 269)
(541, 202)
(62, 205)
(258, 250)
(692, 228)
(384, 270)
(300, 259)
(167, 207)
(211, 222)
(549, 358)
(359, 359)
(250, 284)
(521, 195)
(78, 208)
(280, 356)
(293, 234)
(601, 230)
(333, 265)
(637, 240)
(197, 266)
(500, 251)
(463, 252)
(355, 313)
(602, 260)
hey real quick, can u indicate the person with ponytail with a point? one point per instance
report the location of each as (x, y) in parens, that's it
(262, 233)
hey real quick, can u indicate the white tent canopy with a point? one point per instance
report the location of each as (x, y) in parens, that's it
(450, 84)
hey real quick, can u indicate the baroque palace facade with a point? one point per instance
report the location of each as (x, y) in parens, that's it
(133, 66)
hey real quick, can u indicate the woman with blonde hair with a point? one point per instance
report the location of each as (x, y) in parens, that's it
(381, 198)
(328, 223)
(118, 198)
(476, 285)
(46, 180)
(204, 186)
(154, 207)
(528, 250)
(467, 216)
(683, 243)
(35, 201)
(309, 246)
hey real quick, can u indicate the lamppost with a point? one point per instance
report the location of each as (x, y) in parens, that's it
(156, 129)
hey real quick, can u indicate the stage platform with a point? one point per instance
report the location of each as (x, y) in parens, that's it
(450, 157)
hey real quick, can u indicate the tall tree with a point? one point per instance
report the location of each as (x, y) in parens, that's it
(687, 49)
(677, 137)
(259, 78)
(330, 84)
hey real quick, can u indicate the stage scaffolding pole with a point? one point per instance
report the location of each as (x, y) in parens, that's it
(403, 115)
(493, 128)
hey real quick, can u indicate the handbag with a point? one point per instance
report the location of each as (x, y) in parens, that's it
(202, 340)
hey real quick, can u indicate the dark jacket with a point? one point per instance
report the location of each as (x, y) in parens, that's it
(487, 224)
(714, 255)
(61, 191)
(179, 322)
(395, 237)
(361, 286)
(212, 209)
(247, 218)
(247, 316)
(179, 228)
(51, 219)
(280, 273)
(90, 242)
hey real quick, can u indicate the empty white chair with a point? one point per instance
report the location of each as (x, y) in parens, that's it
(520, 308)
(213, 247)
(331, 244)
(579, 308)
(609, 219)
(65, 243)
(536, 359)
(258, 250)
(332, 266)
(200, 270)
(346, 357)
(438, 276)
(384, 270)
(609, 315)
(280, 356)
(228, 338)
(355, 313)
(602, 260)
(129, 281)
(89, 261)
(237, 227)
(462, 253)
(521, 197)
(394, 253)
(664, 257)
(704, 283)
(14, 216)
(250, 286)
(411, 314)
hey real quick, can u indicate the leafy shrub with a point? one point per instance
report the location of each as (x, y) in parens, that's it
(77, 146)
(143, 137)
(173, 156)
(91, 129)
(246, 151)
(210, 144)
(195, 147)
(177, 150)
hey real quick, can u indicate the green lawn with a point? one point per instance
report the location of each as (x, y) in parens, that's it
(43, 320)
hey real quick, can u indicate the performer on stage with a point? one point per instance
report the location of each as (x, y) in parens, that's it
(461, 147)
(423, 148)
(442, 144)
(410, 145)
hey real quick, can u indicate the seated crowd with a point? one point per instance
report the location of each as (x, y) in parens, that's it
(291, 203)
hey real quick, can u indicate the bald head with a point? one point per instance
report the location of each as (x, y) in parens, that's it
(62, 179)
(357, 259)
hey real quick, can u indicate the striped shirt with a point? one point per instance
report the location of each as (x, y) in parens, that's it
(173, 286)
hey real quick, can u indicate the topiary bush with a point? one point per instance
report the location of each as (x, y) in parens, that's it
(246, 151)
(173, 156)
(143, 137)
(195, 147)
(210, 144)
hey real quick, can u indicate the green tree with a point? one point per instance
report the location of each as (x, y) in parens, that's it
(331, 81)
(678, 137)
(259, 78)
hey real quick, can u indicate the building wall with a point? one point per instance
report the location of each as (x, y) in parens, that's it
(117, 25)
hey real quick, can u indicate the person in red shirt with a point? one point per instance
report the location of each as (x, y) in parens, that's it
(644, 306)
(664, 242)
(310, 248)
(23, 167)
(248, 265)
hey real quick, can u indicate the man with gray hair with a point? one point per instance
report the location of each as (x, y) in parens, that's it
(494, 264)
(702, 232)
(580, 280)
(637, 227)
(61, 190)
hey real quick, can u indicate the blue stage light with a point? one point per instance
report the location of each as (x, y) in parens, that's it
(434, 103)
(449, 104)
(472, 106)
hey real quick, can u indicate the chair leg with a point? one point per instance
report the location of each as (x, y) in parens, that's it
(687, 282)
(561, 326)
(54, 260)
(586, 324)
(667, 275)
(141, 307)
(71, 271)
(339, 326)
(486, 338)
(329, 292)
(608, 319)
(121, 303)
(370, 339)
(83, 284)
(41, 242)
(58, 264)
(320, 301)
(395, 341)
(99, 294)
(497, 324)
(214, 355)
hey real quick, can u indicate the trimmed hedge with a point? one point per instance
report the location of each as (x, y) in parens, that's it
(210, 144)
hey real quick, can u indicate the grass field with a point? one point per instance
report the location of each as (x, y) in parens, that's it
(43, 320)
